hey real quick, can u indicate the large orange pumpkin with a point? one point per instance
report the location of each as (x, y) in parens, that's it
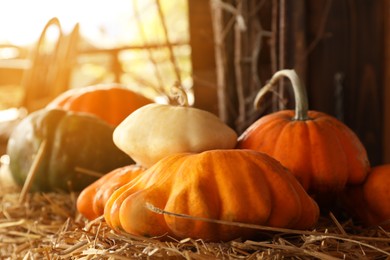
(223, 184)
(321, 151)
(369, 202)
(112, 103)
(92, 199)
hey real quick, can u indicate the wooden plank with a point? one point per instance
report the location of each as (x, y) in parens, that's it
(203, 55)
(344, 75)
(386, 85)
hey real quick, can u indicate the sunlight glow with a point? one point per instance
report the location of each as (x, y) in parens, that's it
(108, 25)
(105, 22)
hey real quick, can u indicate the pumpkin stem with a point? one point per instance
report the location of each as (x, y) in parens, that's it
(178, 93)
(301, 102)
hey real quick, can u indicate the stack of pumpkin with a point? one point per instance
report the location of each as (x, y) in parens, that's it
(73, 138)
(178, 171)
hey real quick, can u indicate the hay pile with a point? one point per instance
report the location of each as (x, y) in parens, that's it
(48, 226)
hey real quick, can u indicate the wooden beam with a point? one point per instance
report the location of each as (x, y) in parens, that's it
(386, 85)
(203, 55)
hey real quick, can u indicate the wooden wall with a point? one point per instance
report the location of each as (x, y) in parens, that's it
(339, 48)
(386, 95)
(345, 68)
(203, 55)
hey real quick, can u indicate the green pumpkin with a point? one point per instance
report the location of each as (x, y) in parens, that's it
(73, 140)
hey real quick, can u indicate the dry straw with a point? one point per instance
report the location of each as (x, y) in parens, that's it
(48, 226)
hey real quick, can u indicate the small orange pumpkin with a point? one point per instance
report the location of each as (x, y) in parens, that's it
(92, 199)
(223, 184)
(112, 103)
(322, 152)
(370, 202)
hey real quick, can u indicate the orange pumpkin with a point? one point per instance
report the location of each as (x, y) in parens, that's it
(322, 152)
(92, 199)
(112, 103)
(223, 184)
(370, 202)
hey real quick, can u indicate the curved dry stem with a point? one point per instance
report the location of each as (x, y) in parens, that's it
(311, 235)
(301, 102)
(178, 93)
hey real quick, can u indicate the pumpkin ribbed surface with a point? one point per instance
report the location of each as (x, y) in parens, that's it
(369, 202)
(112, 103)
(156, 130)
(93, 198)
(70, 140)
(232, 185)
(323, 153)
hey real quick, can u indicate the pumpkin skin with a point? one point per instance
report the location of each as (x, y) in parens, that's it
(224, 184)
(157, 130)
(369, 202)
(91, 201)
(112, 103)
(322, 152)
(72, 140)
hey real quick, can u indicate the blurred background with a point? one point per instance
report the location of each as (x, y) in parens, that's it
(119, 41)
(221, 51)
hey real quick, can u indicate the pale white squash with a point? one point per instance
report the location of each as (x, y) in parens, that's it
(158, 130)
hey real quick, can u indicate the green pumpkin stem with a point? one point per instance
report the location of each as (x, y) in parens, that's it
(301, 102)
(178, 93)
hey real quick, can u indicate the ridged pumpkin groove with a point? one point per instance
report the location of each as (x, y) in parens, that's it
(369, 202)
(226, 184)
(93, 198)
(112, 103)
(156, 130)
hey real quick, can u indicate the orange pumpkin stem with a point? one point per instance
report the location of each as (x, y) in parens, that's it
(301, 101)
(178, 93)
